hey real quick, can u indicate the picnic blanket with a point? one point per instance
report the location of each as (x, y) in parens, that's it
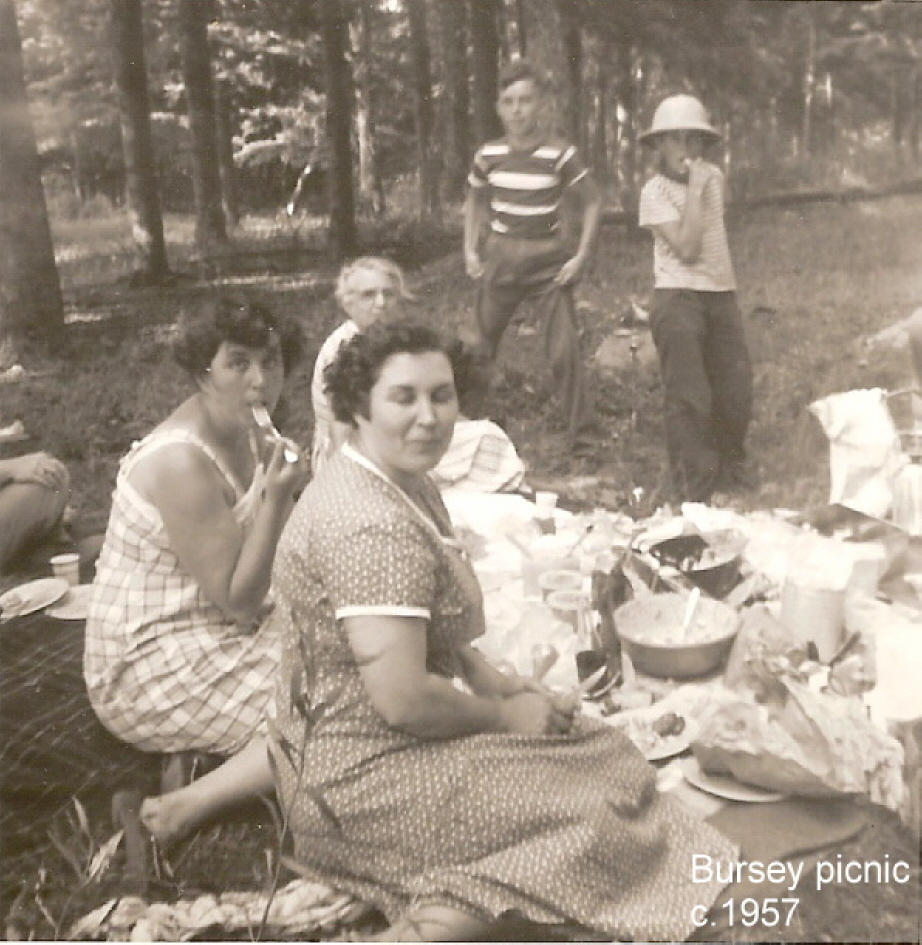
(52, 746)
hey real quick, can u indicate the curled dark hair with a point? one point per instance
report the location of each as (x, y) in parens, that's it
(238, 320)
(348, 380)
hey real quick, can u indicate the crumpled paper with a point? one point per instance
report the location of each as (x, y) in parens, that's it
(818, 743)
(864, 450)
(300, 906)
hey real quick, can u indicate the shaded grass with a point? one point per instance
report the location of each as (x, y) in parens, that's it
(814, 282)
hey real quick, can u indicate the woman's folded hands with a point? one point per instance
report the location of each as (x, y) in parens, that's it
(538, 712)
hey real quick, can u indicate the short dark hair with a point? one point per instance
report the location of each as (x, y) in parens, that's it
(355, 370)
(239, 320)
(517, 70)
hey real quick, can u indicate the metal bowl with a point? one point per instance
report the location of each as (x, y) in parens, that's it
(650, 631)
(717, 578)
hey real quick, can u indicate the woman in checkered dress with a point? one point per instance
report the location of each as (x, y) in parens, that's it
(180, 647)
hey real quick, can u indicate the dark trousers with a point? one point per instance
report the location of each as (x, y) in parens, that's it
(707, 377)
(516, 270)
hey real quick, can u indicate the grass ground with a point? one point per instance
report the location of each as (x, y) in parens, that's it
(815, 281)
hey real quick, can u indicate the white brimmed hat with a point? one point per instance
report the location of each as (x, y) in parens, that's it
(680, 113)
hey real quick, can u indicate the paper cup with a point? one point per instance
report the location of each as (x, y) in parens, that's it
(545, 503)
(569, 607)
(814, 613)
(550, 581)
(67, 568)
(533, 566)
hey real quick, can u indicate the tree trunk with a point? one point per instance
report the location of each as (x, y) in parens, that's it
(572, 40)
(808, 86)
(521, 28)
(600, 142)
(422, 97)
(457, 138)
(334, 29)
(196, 67)
(31, 307)
(371, 185)
(485, 67)
(627, 150)
(141, 184)
(227, 169)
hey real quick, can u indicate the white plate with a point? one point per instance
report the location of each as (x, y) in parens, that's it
(27, 598)
(638, 726)
(73, 605)
(723, 786)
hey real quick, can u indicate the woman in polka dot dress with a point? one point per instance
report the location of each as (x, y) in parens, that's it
(414, 775)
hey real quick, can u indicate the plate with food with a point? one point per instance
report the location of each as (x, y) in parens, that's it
(721, 785)
(28, 598)
(73, 605)
(657, 732)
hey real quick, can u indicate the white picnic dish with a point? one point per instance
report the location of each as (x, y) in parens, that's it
(74, 605)
(32, 596)
(727, 787)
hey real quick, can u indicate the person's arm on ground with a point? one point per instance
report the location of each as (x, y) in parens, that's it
(684, 236)
(41, 468)
(590, 198)
(391, 655)
(232, 566)
(476, 218)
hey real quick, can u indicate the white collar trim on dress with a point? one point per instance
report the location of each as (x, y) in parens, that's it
(352, 453)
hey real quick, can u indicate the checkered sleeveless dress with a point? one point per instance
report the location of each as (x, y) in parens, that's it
(165, 669)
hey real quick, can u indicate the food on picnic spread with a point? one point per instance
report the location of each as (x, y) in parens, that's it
(669, 724)
(12, 603)
(817, 743)
(658, 620)
(656, 736)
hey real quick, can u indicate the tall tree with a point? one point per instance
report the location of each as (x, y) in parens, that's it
(225, 140)
(521, 28)
(422, 95)
(456, 97)
(193, 18)
(142, 187)
(484, 20)
(334, 31)
(572, 39)
(371, 184)
(30, 290)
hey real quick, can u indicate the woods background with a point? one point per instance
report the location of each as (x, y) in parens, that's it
(365, 111)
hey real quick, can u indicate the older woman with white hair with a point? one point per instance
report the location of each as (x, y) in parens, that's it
(480, 457)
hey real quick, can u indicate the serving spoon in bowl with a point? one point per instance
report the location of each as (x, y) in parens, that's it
(264, 422)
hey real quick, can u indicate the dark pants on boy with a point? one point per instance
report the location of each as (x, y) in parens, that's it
(707, 376)
(520, 269)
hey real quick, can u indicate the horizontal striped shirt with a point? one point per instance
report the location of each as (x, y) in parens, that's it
(526, 187)
(662, 200)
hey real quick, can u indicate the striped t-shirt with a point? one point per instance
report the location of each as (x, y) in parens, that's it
(662, 200)
(526, 187)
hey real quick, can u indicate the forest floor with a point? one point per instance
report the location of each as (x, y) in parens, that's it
(816, 282)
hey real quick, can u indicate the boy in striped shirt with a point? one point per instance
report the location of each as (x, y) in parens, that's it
(696, 323)
(514, 240)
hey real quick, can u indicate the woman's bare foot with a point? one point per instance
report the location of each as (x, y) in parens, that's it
(169, 817)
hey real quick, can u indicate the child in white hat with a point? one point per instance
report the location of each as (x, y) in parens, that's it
(696, 323)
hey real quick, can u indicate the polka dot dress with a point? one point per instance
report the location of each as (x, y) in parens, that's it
(562, 828)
